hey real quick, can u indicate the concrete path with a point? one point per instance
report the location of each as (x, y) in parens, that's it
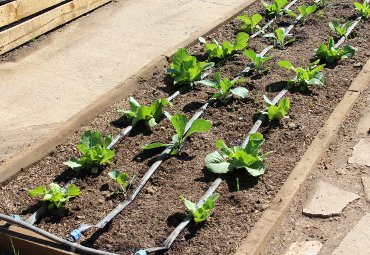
(48, 83)
(331, 214)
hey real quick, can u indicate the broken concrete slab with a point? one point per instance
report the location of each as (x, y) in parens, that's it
(357, 240)
(366, 184)
(361, 153)
(304, 248)
(327, 200)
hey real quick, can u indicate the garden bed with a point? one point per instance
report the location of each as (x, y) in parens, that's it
(157, 210)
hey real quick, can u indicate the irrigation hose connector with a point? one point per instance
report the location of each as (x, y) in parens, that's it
(141, 252)
(16, 217)
(75, 235)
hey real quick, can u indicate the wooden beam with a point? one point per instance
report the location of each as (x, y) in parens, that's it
(19, 9)
(28, 30)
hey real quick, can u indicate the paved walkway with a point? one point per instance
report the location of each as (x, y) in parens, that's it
(50, 82)
(331, 215)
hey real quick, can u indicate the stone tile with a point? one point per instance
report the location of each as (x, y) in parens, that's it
(357, 240)
(366, 184)
(327, 200)
(361, 153)
(364, 124)
(304, 248)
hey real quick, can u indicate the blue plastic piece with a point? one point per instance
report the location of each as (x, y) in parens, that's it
(141, 252)
(75, 234)
(16, 216)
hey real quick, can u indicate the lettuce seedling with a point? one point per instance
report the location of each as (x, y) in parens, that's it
(257, 59)
(149, 114)
(275, 9)
(363, 9)
(228, 159)
(56, 197)
(122, 179)
(94, 152)
(281, 38)
(250, 25)
(185, 69)
(329, 53)
(226, 49)
(320, 3)
(277, 112)
(312, 75)
(339, 29)
(203, 212)
(304, 11)
(224, 87)
(180, 123)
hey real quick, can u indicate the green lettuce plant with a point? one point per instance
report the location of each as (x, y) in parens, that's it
(275, 9)
(203, 212)
(250, 25)
(227, 159)
(94, 152)
(276, 112)
(363, 9)
(281, 38)
(257, 60)
(304, 11)
(339, 29)
(329, 53)
(122, 179)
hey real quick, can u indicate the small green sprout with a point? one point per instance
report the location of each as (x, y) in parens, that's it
(122, 179)
(224, 87)
(148, 114)
(304, 11)
(276, 112)
(250, 25)
(275, 9)
(94, 152)
(257, 59)
(281, 38)
(329, 53)
(203, 212)
(312, 75)
(180, 123)
(185, 69)
(363, 9)
(339, 29)
(226, 49)
(227, 159)
(56, 197)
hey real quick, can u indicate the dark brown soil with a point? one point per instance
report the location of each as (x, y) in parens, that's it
(157, 210)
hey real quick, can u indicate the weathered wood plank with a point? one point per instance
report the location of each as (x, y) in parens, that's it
(28, 30)
(19, 9)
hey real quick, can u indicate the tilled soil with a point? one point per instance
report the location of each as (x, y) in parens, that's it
(157, 210)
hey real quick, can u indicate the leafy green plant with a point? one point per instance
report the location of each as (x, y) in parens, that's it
(180, 123)
(339, 29)
(257, 59)
(320, 3)
(149, 114)
(329, 53)
(363, 9)
(250, 25)
(122, 179)
(94, 152)
(304, 11)
(275, 9)
(312, 75)
(203, 212)
(185, 69)
(228, 159)
(55, 196)
(276, 112)
(226, 49)
(224, 87)
(281, 37)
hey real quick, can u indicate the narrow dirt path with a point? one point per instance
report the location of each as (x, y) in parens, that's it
(44, 84)
(331, 215)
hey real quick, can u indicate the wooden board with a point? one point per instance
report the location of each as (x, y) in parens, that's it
(19, 9)
(28, 30)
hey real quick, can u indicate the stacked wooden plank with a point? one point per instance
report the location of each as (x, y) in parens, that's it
(24, 20)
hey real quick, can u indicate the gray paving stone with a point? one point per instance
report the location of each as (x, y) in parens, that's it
(357, 240)
(304, 248)
(364, 124)
(327, 200)
(366, 184)
(361, 153)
